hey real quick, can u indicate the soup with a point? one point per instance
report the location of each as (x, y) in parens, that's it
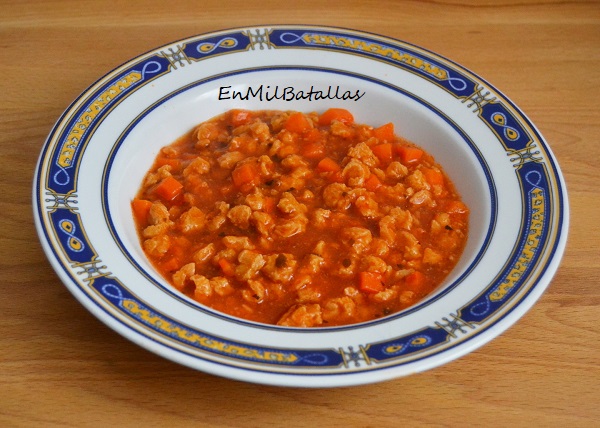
(300, 219)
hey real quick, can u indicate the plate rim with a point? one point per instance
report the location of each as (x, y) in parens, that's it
(515, 312)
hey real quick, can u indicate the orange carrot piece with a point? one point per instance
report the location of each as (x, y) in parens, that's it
(169, 188)
(339, 114)
(141, 208)
(313, 146)
(180, 247)
(239, 117)
(269, 205)
(328, 165)
(370, 282)
(433, 176)
(455, 207)
(245, 174)
(298, 123)
(409, 154)
(383, 152)
(226, 266)
(312, 136)
(384, 132)
(337, 177)
(175, 164)
(372, 183)
(171, 264)
(415, 282)
(313, 150)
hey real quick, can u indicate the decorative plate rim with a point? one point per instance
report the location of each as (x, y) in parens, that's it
(529, 268)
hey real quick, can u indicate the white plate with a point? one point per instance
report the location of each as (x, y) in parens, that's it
(93, 161)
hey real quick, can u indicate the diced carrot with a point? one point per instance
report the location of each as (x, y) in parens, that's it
(239, 117)
(372, 183)
(313, 147)
(171, 264)
(339, 114)
(194, 183)
(455, 207)
(141, 208)
(415, 282)
(312, 136)
(298, 123)
(180, 246)
(328, 165)
(163, 160)
(370, 282)
(433, 176)
(384, 132)
(383, 152)
(246, 173)
(226, 266)
(269, 205)
(408, 154)
(336, 177)
(169, 188)
(313, 150)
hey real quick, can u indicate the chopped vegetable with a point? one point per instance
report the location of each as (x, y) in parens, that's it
(270, 205)
(240, 117)
(175, 164)
(226, 266)
(385, 132)
(415, 282)
(313, 150)
(455, 207)
(313, 136)
(328, 165)
(408, 154)
(244, 174)
(383, 152)
(298, 123)
(372, 183)
(433, 176)
(370, 282)
(141, 208)
(169, 188)
(171, 264)
(336, 114)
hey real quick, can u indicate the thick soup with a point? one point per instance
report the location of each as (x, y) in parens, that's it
(298, 219)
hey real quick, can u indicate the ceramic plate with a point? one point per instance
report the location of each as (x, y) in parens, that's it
(95, 157)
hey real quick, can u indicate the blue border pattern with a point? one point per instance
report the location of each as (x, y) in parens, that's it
(118, 296)
(426, 67)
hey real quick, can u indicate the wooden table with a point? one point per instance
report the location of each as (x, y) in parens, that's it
(60, 366)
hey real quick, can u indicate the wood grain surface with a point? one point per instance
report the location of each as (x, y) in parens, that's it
(61, 367)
